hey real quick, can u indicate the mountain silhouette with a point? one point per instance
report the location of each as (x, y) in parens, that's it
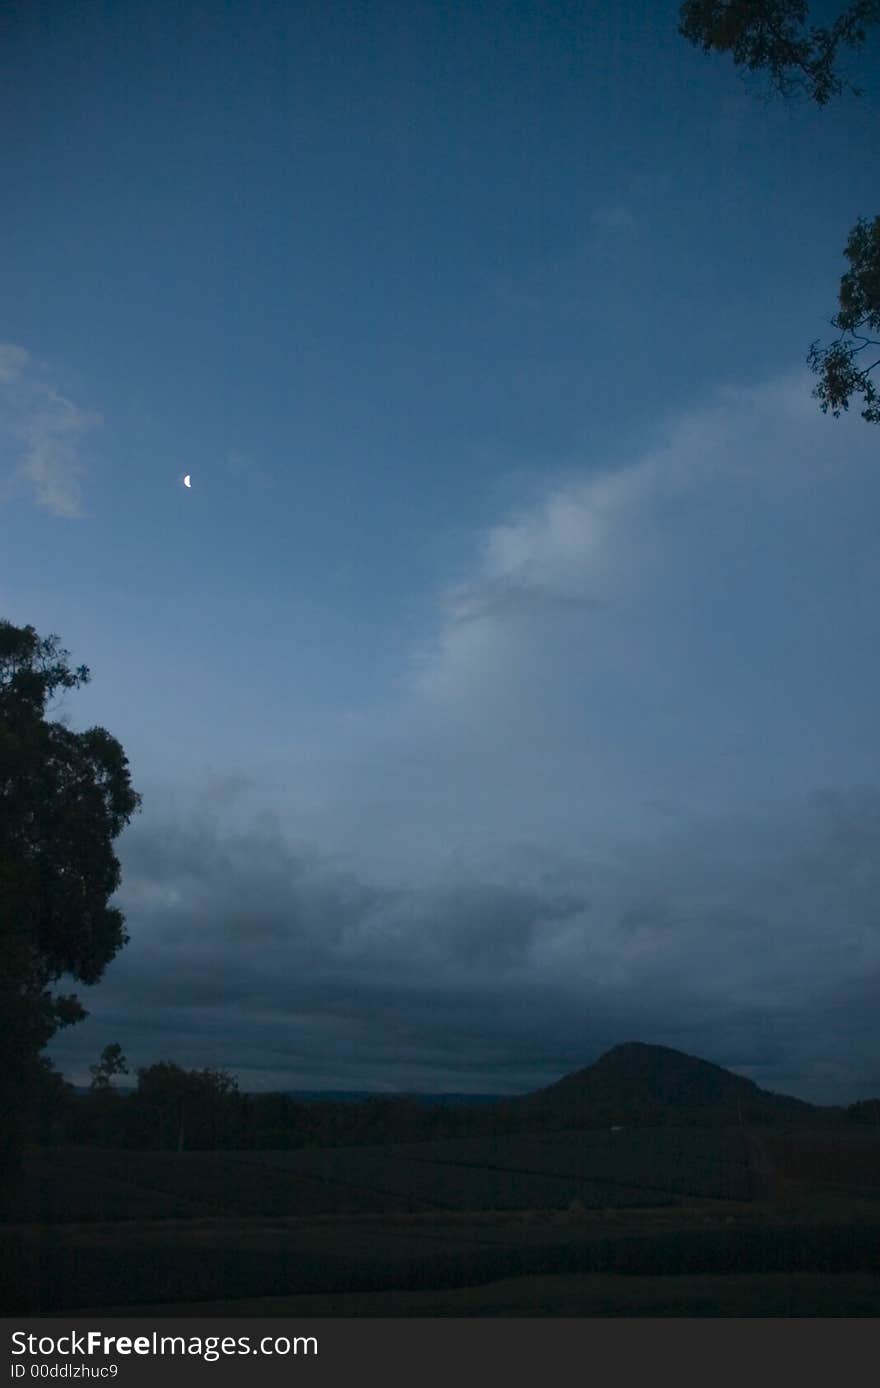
(635, 1078)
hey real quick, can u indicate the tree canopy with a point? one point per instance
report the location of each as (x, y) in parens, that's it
(192, 1103)
(842, 372)
(64, 797)
(775, 37)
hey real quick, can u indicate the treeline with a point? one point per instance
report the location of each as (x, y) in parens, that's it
(174, 1109)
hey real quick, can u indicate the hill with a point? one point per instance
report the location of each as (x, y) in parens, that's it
(635, 1080)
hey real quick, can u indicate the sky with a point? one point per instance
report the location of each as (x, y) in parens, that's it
(504, 687)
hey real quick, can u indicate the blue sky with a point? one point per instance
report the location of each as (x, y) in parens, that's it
(505, 685)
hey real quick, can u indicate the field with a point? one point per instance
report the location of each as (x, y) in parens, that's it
(595, 1170)
(522, 1224)
(757, 1294)
(849, 1161)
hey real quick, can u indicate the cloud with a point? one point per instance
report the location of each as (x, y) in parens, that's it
(41, 434)
(620, 575)
(691, 630)
(251, 951)
(626, 788)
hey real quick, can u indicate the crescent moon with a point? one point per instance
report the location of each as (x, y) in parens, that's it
(186, 481)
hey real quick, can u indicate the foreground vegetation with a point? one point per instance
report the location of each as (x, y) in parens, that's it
(745, 1294)
(682, 1219)
(649, 1183)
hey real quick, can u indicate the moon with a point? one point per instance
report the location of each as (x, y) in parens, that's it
(186, 481)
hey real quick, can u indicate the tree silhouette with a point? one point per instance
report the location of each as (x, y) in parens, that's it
(112, 1062)
(191, 1107)
(774, 36)
(841, 373)
(64, 797)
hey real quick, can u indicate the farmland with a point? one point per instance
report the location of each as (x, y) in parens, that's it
(853, 1161)
(588, 1170)
(595, 1170)
(392, 1226)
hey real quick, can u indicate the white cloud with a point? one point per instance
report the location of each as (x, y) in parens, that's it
(41, 434)
(615, 550)
(694, 629)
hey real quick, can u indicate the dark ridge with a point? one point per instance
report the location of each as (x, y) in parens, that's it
(635, 1078)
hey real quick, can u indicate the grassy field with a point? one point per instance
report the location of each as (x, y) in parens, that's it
(748, 1294)
(832, 1160)
(83, 1184)
(647, 1167)
(650, 1218)
(589, 1170)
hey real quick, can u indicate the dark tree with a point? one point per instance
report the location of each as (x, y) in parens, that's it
(842, 371)
(191, 1108)
(774, 36)
(112, 1062)
(64, 798)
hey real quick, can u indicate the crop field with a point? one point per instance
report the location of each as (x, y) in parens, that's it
(175, 1263)
(845, 1161)
(596, 1170)
(589, 1170)
(804, 1294)
(81, 1184)
(119, 1228)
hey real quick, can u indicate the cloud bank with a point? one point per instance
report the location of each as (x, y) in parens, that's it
(754, 942)
(626, 788)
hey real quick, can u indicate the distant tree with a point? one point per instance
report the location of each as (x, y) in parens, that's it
(192, 1108)
(865, 1111)
(64, 797)
(272, 1120)
(774, 36)
(112, 1062)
